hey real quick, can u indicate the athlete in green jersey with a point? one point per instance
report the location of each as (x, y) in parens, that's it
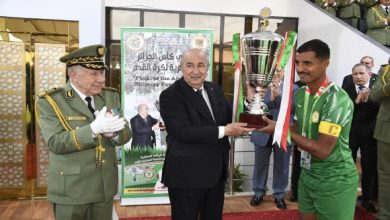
(329, 180)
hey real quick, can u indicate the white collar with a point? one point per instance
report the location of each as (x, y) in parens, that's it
(365, 85)
(82, 96)
(201, 88)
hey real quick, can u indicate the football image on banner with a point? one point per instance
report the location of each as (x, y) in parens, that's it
(150, 59)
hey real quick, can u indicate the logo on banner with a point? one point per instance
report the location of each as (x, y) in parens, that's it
(135, 42)
(149, 174)
(199, 42)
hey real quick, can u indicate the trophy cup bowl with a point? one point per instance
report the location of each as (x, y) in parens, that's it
(260, 51)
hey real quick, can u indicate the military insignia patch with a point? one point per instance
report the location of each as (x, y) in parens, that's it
(69, 94)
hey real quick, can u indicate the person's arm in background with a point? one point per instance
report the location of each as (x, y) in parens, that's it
(381, 88)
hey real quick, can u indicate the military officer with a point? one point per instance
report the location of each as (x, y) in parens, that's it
(352, 12)
(378, 22)
(381, 93)
(81, 124)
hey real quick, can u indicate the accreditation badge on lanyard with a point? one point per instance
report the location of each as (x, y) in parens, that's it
(305, 157)
(307, 124)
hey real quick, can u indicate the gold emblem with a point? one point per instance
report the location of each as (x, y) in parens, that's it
(265, 12)
(315, 117)
(69, 94)
(101, 51)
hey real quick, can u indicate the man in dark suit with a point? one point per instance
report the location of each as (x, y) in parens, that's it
(369, 61)
(362, 130)
(143, 126)
(81, 124)
(196, 117)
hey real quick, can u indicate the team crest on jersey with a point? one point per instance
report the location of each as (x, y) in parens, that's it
(315, 117)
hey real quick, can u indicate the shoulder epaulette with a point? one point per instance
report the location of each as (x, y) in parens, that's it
(49, 91)
(110, 89)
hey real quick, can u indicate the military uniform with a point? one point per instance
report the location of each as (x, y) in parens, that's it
(349, 11)
(332, 9)
(82, 166)
(376, 24)
(381, 93)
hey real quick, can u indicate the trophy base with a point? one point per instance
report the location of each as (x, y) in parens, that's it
(253, 121)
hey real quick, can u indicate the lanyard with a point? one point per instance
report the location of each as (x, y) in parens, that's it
(324, 87)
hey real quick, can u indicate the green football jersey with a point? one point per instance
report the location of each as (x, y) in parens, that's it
(330, 113)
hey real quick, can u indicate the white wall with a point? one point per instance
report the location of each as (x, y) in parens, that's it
(89, 13)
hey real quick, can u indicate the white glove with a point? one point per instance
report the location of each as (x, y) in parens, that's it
(104, 124)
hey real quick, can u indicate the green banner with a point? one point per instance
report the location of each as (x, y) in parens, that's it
(150, 59)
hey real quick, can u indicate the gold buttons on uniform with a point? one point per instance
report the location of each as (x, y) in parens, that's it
(103, 161)
(62, 173)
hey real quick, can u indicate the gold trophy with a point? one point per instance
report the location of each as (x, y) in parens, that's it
(260, 51)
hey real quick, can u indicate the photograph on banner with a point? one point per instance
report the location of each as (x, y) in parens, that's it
(150, 63)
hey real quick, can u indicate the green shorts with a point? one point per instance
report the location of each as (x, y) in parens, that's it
(335, 204)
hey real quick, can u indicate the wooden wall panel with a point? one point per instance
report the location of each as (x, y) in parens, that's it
(13, 133)
(49, 73)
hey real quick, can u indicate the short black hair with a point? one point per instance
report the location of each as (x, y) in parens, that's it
(320, 48)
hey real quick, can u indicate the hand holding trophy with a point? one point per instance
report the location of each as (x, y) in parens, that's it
(260, 51)
(161, 124)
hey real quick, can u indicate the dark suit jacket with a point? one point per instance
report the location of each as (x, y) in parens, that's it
(364, 114)
(195, 157)
(143, 135)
